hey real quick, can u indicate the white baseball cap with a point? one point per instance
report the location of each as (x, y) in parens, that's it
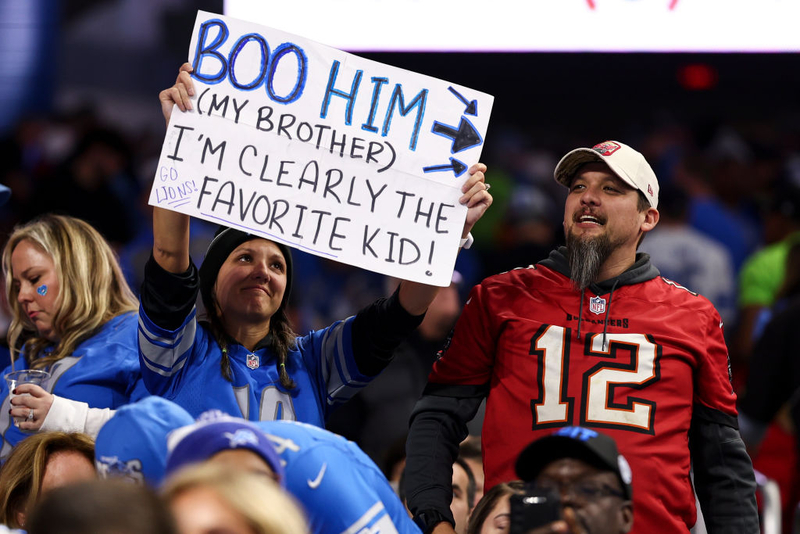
(625, 162)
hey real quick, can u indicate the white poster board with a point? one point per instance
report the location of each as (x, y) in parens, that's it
(327, 152)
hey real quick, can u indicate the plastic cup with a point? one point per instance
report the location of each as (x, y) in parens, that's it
(24, 376)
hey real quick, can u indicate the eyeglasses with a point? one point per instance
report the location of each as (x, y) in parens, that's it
(580, 491)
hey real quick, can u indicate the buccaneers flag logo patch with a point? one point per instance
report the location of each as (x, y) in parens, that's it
(606, 148)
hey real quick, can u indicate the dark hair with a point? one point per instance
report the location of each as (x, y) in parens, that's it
(281, 338)
(642, 205)
(101, 507)
(489, 502)
(280, 341)
(470, 449)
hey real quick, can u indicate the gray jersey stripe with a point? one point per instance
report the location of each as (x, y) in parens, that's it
(161, 372)
(164, 356)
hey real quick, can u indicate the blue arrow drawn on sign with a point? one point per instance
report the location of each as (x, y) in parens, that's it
(465, 137)
(472, 107)
(456, 166)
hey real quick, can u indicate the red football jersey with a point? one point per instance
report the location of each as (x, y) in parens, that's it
(665, 352)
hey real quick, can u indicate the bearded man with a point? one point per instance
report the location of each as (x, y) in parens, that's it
(592, 336)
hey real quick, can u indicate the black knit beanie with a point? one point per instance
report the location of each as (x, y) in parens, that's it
(225, 241)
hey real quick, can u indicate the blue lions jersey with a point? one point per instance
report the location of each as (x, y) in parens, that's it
(340, 488)
(183, 365)
(103, 372)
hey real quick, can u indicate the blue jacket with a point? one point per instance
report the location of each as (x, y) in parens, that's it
(103, 371)
(340, 488)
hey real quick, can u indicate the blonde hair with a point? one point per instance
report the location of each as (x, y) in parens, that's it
(92, 290)
(22, 474)
(265, 506)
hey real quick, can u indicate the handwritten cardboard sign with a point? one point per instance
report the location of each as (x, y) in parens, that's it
(322, 150)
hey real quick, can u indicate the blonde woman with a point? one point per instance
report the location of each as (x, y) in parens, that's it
(209, 498)
(73, 316)
(41, 463)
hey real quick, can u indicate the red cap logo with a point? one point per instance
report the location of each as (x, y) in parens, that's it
(649, 190)
(606, 148)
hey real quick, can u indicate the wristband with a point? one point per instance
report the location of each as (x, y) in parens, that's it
(467, 241)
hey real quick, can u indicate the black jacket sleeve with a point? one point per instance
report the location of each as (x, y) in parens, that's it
(377, 330)
(167, 298)
(723, 474)
(438, 425)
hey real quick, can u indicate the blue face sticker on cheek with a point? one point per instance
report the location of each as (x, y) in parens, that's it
(42, 290)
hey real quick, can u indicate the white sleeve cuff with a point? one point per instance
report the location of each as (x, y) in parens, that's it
(69, 415)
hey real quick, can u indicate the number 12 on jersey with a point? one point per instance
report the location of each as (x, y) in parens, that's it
(628, 361)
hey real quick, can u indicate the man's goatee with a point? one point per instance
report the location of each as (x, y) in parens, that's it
(586, 257)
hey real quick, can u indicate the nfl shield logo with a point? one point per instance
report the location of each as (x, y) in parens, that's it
(252, 361)
(596, 305)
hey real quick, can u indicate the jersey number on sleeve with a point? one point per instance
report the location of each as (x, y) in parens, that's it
(629, 361)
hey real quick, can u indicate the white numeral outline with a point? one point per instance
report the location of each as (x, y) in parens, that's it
(554, 408)
(275, 403)
(601, 381)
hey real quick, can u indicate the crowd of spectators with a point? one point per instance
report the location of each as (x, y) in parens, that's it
(730, 185)
(728, 192)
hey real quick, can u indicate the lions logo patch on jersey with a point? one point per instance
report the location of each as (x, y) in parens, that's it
(597, 305)
(253, 361)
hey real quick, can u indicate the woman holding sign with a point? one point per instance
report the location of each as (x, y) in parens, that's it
(73, 318)
(244, 358)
